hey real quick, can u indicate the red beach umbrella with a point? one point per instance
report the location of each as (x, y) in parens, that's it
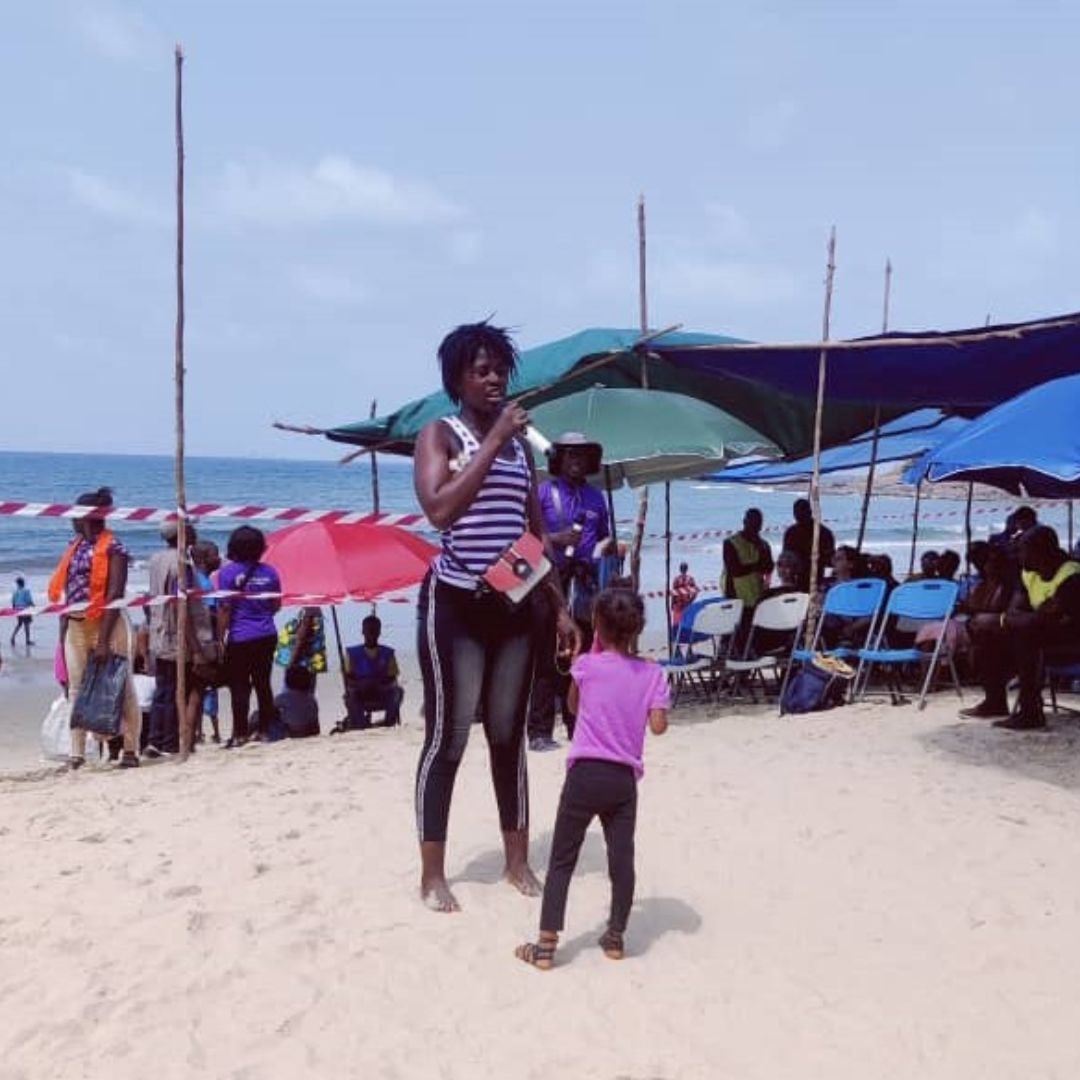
(365, 561)
(329, 559)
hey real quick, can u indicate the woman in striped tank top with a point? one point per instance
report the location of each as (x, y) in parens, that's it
(475, 482)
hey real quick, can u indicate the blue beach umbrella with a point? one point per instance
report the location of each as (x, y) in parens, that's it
(1029, 446)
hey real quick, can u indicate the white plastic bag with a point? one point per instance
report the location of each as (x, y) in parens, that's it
(56, 730)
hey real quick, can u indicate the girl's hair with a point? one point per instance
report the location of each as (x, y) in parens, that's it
(246, 545)
(619, 617)
(459, 348)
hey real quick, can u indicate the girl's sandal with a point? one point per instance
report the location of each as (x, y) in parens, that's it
(541, 954)
(612, 944)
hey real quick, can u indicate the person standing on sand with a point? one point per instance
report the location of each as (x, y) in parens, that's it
(475, 481)
(799, 539)
(94, 569)
(748, 563)
(619, 696)
(246, 625)
(21, 599)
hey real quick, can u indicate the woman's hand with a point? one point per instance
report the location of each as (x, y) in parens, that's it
(569, 633)
(512, 421)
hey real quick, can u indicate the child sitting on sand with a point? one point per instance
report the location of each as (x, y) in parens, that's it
(617, 695)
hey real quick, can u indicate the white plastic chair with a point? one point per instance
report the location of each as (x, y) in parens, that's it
(719, 619)
(785, 614)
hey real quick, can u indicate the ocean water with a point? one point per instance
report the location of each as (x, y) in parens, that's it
(31, 546)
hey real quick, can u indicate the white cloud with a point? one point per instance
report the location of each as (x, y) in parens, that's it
(768, 126)
(465, 246)
(334, 189)
(120, 35)
(329, 285)
(109, 200)
(726, 225)
(1033, 233)
(742, 283)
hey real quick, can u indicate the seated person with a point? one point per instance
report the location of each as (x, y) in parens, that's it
(1042, 618)
(297, 707)
(880, 566)
(371, 679)
(984, 602)
(928, 566)
(789, 575)
(840, 630)
(948, 565)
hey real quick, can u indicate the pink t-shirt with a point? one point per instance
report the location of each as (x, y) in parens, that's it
(616, 694)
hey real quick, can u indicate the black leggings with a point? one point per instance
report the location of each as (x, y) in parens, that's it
(476, 657)
(593, 788)
(248, 665)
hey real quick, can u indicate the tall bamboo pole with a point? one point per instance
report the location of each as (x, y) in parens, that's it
(815, 476)
(187, 734)
(967, 527)
(915, 529)
(877, 419)
(643, 312)
(374, 464)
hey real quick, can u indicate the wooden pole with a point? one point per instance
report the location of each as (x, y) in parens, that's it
(667, 567)
(643, 312)
(877, 420)
(374, 465)
(815, 476)
(915, 529)
(967, 527)
(340, 649)
(187, 732)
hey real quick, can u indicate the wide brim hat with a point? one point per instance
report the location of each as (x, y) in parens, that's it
(575, 440)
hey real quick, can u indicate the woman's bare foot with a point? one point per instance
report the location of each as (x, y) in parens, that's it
(518, 872)
(437, 896)
(434, 890)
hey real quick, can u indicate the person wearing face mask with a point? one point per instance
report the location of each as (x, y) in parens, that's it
(475, 482)
(576, 519)
(93, 570)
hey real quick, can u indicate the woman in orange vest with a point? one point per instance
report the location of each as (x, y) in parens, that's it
(94, 568)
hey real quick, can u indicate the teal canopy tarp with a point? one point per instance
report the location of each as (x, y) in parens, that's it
(785, 419)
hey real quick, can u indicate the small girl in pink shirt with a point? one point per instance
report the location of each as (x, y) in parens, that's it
(617, 696)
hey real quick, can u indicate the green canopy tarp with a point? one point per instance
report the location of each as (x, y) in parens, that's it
(650, 436)
(608, 357)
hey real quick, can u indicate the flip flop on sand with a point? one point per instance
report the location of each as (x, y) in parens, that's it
(612, 944)
(541, 954)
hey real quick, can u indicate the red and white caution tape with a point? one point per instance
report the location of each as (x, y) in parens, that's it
(208, 512)
(144, 600)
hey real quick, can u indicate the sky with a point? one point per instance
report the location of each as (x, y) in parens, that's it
(361, 177)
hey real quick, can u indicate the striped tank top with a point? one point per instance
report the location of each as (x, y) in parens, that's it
(496, 518)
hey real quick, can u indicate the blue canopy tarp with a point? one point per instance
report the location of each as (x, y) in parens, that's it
(901, 439)
(964, 371)
(1029, 446)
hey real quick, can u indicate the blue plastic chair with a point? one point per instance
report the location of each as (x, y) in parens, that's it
(859, 599)
(716, 622)
(932, 600)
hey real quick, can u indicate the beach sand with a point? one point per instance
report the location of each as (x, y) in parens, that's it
(871, 892)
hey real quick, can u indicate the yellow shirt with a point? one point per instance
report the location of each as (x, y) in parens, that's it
(1039, 590)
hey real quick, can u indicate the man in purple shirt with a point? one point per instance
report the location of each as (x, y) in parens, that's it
(576, 519)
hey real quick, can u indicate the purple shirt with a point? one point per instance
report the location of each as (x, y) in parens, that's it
(616, 694)
(250, 619)
(563, 504)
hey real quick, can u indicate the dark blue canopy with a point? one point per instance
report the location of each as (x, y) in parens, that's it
(962, 370)
(901, 439)
(1029, 446)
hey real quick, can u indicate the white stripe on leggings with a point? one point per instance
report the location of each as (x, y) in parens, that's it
(433, 749)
